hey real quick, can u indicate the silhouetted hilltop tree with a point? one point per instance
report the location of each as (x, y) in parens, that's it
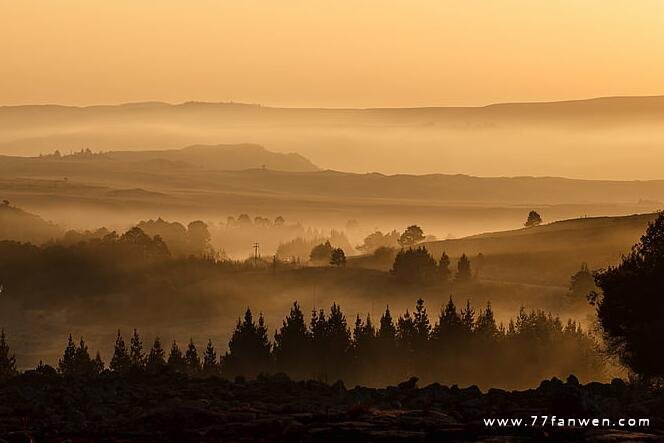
(210, 363)
(414, 266)
(191, 359)
(468, 319)
(291, 342)
(176, 360)
(148, 247)
(121, 362)
(533, 219)
(582, 283)
(321, 253)
(156, 359)
(76, 360)
(66, 365)
(444, 268)
(377, 240)
(337, 342)
(338, 257)
(248, 349)
(485, 326)
(449, 325)
(198, 236)
(387, 331)
(136, 354)
(422, 325)
(631, 307)
(7, 359)
(464, 273)
(279, 221)
(411, 236)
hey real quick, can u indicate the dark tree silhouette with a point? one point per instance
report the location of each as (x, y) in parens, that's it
(248, 349)
(414, 266)
(582, 283)
(136, 354)
(210, 363)
(7, 359)
(411, 236)
(450, 324)
(156, 359)
(120, 361)
(338, 257)
(444, 267)
(631, 307)
(176, 359)
(486, 323)
(533, 219)
(322, 253)
(66, 365)
(464, 273)
(191, 359)
(422, 325)
(291, 342)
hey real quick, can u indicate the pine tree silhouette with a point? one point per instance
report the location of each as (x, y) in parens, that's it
(120, 362)
(248, 349)
(291, 342)
(210, 364)
(444, 267)
(66, 365)
(7, 359)
(156, 361)
(136, 355)
(176, 359)
(191, 359)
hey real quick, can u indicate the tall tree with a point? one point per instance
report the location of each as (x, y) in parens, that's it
(338, 257)
(414, 266)
(248, 349)
(444, 267)
(7, 359)
(631, 307)
(411, 236)
(136, 354)
(67, 364)
(176, 359)
(291, 342)
(464, 273)
(156, 360)
(210, 363)
(120, 361)
(191, 359)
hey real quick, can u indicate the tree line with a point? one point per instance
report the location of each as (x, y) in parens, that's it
(462, 346)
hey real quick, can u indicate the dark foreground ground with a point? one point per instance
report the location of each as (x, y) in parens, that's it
(175, 408)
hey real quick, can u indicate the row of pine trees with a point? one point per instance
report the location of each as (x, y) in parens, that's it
(462, 346)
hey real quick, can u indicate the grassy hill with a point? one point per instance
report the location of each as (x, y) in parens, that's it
(551, 253)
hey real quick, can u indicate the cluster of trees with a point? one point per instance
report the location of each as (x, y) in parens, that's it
(192, 240)
(7, 359)
(460, 346)
(245, 220)
(630, 306)
(417, 265)
(325, 253)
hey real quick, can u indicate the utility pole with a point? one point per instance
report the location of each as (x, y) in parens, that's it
(256, 249)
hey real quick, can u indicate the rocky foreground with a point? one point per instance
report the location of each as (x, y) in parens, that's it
(177, 408)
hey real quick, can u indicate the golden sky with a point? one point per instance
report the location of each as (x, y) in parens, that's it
(355, 53)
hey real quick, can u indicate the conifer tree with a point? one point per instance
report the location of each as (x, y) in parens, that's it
(67, 364)
(422, 324)
(464, 273)
(486, 323)
(7, 358)
(191, 359)
(156, 360)
(444, 267)
(249, 348)
(406, 332)
(175, 358)
(291, 342)
(83, 364)
(136, 355)
(387, 330)
(450, 324)
(468, 319)
(210, 364)
(98, 364)
(120, 362)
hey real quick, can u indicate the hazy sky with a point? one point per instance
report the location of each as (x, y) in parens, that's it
(329, 53)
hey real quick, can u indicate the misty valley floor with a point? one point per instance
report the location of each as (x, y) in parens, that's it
(176, 408)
